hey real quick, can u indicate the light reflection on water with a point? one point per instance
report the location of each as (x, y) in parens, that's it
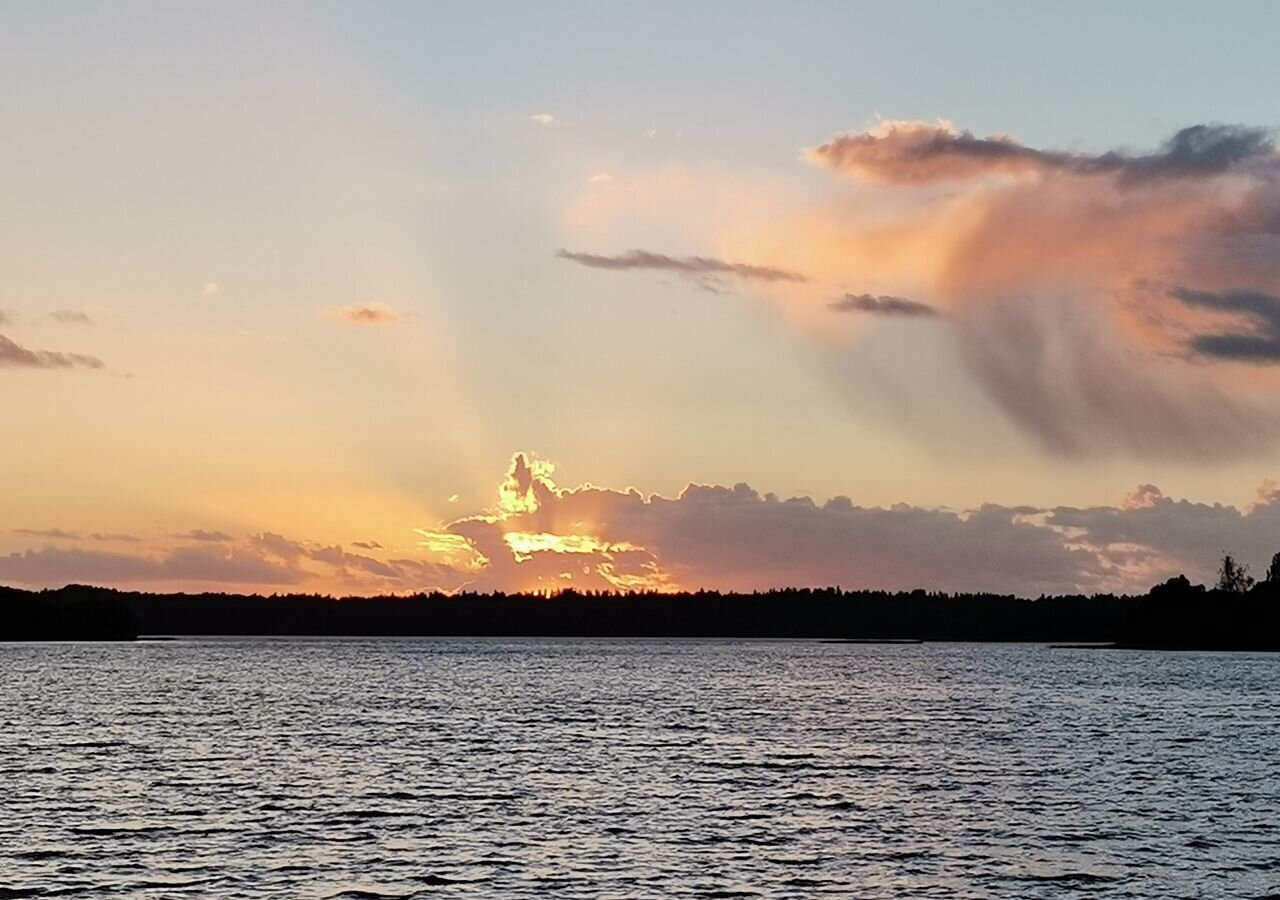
(635, 769)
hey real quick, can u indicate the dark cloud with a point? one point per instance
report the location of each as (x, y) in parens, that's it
(367, 545)
(1199, 151)
(115, 538)
(13, 355)
(884, 305)
(71, 317)
(921, 153)
(694, 266)
(1261, 345)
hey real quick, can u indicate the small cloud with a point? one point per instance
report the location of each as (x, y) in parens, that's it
(16, 356)
(56, 534)
(210, 288)
(366, 314)
(71, 317)
(453, 498)
(601, 178)
(115, 538)
(545, 119)
(7, 318)
(367, 545)
(199, 534)
(651, 133)
(884, 305)
(695, 266)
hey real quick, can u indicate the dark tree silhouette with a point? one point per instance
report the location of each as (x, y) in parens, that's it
(1234, 577)
(1273, 571)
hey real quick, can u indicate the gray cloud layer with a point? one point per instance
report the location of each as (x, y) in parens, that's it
(689, 265)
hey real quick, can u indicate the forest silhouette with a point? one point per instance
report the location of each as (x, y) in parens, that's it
(1237, 613)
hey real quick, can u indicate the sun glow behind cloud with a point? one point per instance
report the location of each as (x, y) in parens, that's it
(548, 538)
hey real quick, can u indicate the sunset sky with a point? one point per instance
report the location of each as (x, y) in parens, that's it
(389, 297)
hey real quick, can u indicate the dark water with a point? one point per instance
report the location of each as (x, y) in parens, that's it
(630, 769)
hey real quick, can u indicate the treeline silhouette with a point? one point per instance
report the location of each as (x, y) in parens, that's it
(1174, 615)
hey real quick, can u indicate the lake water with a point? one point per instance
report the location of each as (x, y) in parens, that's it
(534, 768)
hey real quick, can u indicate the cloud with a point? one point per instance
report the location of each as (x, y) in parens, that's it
(695, 266)
(71, 317)
(544, 119)
(58, 534)
(7, 318)
(1261, 345)
(266, 561)
(542, 536)
(210, 288)
(200, 534)
(1056, 273)
(51, 566)
(883, 305)
(115, 538)
(601, 178)
(366, 314)
(13, 355)
(913, 153)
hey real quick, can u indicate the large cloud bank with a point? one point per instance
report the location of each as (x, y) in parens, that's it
(540, 536)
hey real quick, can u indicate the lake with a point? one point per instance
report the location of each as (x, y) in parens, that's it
(602, 768)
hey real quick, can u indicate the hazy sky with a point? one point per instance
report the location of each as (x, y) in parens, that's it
(284, 280)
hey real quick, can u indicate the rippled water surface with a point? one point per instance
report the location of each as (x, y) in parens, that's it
(622, 769)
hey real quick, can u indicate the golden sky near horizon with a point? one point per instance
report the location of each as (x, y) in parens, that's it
(356, 300)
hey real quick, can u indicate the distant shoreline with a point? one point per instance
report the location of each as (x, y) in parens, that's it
(1173, 616)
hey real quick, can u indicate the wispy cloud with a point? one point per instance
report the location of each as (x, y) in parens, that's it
(57, 534)
(15, 356)
(694, 266)
(544, 119)
(210, 288)
(884, 305)
(200, 534)
(71, 317)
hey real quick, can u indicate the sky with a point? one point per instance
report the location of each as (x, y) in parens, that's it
(383, 298)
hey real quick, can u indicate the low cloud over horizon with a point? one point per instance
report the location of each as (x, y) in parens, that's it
(540, 536)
